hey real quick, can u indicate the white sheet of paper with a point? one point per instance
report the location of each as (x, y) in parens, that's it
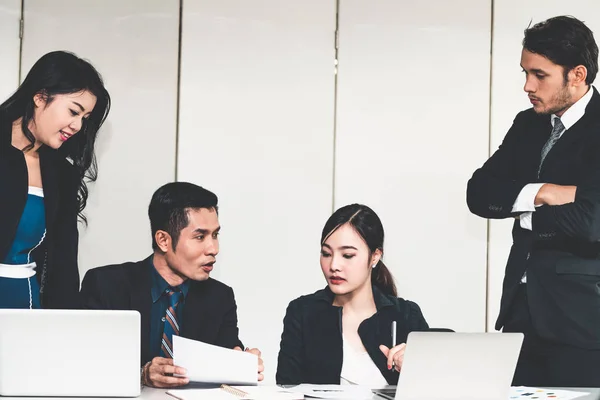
(207, 363)
(355, 392)
(524, 393)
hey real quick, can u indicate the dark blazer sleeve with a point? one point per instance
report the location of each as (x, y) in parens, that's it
(63, 275)
(290, 359)
(493, 188)
(229, 332)
(580, 219)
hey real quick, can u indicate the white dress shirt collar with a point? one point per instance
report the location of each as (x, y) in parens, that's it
(576, 111)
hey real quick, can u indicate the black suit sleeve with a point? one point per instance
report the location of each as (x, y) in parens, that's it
(580, 219)
(289, 361)
(92, 295)
(493, 188)
(229, 332)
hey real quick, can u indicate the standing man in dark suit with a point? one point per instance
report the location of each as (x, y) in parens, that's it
(546, 175)
(172, 289)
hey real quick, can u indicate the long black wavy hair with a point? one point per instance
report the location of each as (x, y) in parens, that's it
(56, 73)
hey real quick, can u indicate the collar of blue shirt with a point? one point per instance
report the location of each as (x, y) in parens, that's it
(159, 285)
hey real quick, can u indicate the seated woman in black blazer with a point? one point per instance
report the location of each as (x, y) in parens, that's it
(342, 334)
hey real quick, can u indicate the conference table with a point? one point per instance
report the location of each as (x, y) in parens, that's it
(160, 394)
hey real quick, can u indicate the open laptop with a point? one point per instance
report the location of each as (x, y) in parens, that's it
(458, 366)
(69, 353)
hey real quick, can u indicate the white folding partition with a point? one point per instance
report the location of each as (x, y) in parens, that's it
(134, 45)
(10, 15)
(511, 17)
(412, 125)
(256, 127)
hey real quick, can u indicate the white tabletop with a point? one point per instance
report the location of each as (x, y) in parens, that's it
(160, 394)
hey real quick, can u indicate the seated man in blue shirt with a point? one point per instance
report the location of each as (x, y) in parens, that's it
(172, 289)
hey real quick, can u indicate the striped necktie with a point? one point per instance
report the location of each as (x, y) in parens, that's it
(557, 131)
(171, 326)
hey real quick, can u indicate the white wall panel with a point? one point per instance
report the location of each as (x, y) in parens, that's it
(511, 18)
(256, 127)
(134, 45)
(10, 15)
(412, 125)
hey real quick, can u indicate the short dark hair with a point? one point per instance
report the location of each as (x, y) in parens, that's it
(168, 210)
(566, 41)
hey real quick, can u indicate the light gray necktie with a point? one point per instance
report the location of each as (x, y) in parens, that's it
(557, 129)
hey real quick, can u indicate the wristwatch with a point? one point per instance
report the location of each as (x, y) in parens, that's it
(144, 374)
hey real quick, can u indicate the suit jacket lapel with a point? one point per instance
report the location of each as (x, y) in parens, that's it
(51, 182)
(326, 332)
(533, 151)
(327, 326)
(13, 179)
(141, 300)
(376, 330)
(576, 132)
(373, 332)
(194, 314)
(191, 312)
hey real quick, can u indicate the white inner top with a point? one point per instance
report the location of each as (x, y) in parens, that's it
(359, 369)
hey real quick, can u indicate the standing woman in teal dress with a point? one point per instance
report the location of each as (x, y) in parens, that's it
(48, 128)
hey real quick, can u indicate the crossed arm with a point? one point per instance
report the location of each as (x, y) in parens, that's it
(560, 210)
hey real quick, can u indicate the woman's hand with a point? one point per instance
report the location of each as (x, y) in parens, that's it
(395, 355)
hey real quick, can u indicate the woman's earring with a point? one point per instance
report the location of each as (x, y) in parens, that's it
(374, 265)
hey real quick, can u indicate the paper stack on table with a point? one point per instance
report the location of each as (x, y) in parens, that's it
(354, 392)
(525, 393)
